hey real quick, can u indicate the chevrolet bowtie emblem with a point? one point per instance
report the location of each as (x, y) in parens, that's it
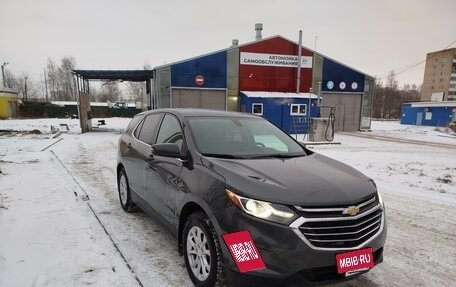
(351, 210)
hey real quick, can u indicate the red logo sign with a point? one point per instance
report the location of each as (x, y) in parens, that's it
(199, 80)
(243, 251)
(355, 260)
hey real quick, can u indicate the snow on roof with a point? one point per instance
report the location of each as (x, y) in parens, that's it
(432, 104)
(278, 95)
(64, 103)
(7, 90)
(74, 103)
(94, 104)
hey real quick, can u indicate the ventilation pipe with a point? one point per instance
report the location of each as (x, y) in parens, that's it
(258, 29)
(298, 80)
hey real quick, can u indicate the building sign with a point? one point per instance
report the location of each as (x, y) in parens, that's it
(274, 60)
(437, 97)
(428, 116)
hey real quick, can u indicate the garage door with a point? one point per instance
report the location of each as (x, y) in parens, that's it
(348, 110)
(194, 98)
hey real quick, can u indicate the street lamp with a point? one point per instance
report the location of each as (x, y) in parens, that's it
(3, 73)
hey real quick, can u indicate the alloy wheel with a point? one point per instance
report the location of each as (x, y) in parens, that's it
(198, 253)
(123, 189)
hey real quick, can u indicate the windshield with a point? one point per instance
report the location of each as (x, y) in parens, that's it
(241, 138)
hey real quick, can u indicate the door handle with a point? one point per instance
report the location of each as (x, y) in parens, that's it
(149, 159)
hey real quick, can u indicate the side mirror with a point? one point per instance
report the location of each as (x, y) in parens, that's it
(166, 150)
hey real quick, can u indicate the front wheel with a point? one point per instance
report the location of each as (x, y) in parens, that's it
(124, 192)
(202, 252)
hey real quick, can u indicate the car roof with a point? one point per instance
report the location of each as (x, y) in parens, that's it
(189, 112)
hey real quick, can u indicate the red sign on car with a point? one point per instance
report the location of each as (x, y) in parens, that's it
(244, 251)
(355, 260)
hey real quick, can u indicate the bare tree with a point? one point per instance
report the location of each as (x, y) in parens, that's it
(411, 93)
(137, 90)
(110, 91)
(52, 75)
(95, 94)
(391, 81)
(67, 66)
(10, 79)
(378, 99)
(61, 79)
(26, 87)
(388, 98)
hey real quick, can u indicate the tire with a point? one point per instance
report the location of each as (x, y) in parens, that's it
(202, 252)
(123, 187)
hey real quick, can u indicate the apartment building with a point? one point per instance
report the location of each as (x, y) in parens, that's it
(439, 83)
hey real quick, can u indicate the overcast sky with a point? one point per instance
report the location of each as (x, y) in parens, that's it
(372, 36)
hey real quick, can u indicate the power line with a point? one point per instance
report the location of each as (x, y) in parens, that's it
(411, 66)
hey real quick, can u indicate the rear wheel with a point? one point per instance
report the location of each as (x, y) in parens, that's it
(202, 252)
(123, 187)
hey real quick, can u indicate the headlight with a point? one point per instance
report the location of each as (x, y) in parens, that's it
(261, 209)
(379, 196)
(380, 199)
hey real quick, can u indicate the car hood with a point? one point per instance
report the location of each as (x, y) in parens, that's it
(313, 180)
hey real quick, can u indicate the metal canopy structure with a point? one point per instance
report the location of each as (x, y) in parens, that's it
(82, 78)
(125, 75)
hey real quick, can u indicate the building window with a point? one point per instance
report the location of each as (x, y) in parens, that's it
(257, 109)
(298, 109)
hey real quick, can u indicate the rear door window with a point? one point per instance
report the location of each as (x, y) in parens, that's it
(170, 131)
(134, 121)
(149, 128)
(138, 129)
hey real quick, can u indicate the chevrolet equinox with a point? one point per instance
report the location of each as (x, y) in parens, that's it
(209, 175)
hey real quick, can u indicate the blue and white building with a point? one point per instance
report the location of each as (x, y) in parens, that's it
(438, 114)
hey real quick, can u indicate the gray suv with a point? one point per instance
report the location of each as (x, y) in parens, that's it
(212, 176)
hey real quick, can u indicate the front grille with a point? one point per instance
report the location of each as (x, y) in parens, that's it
(336, 211)
(342, 231)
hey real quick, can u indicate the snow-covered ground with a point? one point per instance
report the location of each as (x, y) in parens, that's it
(61, 223)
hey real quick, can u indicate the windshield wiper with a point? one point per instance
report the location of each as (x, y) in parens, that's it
(222, 155)
(276, 155)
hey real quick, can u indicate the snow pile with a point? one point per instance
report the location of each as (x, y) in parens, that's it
(422, 133)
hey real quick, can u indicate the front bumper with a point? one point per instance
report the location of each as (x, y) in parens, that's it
(307, 277)
(289, 260)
